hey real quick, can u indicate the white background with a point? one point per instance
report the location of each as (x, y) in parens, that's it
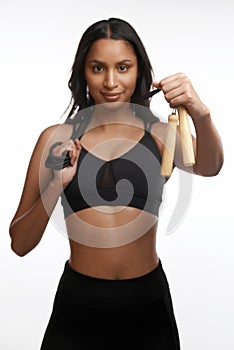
(38, 41)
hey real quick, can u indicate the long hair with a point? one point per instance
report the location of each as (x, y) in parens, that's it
(117, 29)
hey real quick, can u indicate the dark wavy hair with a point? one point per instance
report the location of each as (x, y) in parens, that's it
(117, 29)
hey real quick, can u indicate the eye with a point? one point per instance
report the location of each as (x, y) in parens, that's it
(98, 68)
(123, 68)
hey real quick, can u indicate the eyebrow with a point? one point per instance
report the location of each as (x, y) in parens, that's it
(103, 63)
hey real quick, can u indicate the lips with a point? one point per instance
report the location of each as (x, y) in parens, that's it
(111, 96)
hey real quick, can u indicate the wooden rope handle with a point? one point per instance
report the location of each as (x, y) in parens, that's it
(186, 138)
(169, 147)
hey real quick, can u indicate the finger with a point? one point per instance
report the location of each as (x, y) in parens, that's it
(70, 144)
(163, 82)
(182, 100)
(170, 86)
(66, 146)
(174, 81)
(156, 84)
(174, 93)
(173, 77)
(73, 157)
(77, 144)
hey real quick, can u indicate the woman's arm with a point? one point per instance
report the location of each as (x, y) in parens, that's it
(178, 91)
(208, 147)
(41, 191)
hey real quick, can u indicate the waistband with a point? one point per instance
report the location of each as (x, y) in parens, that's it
(87, 291)
(75, 274)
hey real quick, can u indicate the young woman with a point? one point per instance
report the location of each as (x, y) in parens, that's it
(104, 162)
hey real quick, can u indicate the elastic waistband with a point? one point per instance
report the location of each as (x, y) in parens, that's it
(108, 293)
(75, 274)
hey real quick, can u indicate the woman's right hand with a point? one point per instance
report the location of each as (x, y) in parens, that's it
(64, 176)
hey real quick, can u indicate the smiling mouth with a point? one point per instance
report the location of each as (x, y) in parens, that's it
(111, 97)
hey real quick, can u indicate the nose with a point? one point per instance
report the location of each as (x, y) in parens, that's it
(111, 80)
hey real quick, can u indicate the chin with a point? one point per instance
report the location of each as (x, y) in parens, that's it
(111, 106)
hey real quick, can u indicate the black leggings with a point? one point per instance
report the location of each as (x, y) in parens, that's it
(94, 313)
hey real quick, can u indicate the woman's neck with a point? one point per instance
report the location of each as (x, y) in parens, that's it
(116, 112)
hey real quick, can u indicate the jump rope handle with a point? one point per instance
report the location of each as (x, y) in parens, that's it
(169, 146)
(186, 138)
(170, 141)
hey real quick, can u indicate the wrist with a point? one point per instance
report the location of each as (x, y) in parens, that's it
(202, 114)
(203, 123)
(56, 186)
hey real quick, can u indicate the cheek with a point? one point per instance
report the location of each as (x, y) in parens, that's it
(92, 82)
(89, 77)
(131, 81)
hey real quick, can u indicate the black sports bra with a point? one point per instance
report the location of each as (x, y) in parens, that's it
(132, 180)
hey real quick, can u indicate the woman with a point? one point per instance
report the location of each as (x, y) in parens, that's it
(104, 162)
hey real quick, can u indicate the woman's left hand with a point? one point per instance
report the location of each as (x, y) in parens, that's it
(178, 91)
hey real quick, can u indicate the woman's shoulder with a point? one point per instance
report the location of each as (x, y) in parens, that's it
(159, 129)
(158, 133)
(56, 132)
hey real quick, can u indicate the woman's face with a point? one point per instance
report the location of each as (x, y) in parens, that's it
(111, 71)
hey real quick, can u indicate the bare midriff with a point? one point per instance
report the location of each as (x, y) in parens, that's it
(112, 242)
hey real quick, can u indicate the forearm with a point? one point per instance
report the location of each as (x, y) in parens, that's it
(27, 230)
(209, 150)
